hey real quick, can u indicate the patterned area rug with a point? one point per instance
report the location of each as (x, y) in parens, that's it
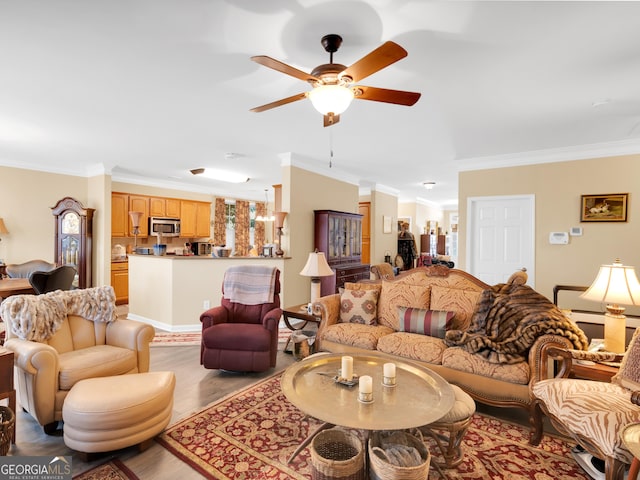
(177, 339)
(252, 433)
(181, 339)
(112, 470)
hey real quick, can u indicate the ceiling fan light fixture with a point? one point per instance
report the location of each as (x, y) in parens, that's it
(331, 99)
(221, 175)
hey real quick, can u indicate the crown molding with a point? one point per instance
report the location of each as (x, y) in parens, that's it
(551, 155)
(42, 167)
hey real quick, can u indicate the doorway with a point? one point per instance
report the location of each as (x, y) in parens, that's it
(501, 237)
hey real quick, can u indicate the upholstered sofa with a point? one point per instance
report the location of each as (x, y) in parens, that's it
(489, 340)
(63, 337)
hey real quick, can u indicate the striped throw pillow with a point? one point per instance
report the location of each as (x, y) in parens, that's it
(434, 323)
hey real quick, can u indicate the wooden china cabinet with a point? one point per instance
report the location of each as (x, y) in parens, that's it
(339, 236)
(74, 236)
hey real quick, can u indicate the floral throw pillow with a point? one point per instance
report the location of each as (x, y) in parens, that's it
(434, 323)
(359, 306)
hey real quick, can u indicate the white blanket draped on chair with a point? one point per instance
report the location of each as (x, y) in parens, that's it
(250, 284)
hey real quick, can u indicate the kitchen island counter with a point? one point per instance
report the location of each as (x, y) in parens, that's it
(171, 291)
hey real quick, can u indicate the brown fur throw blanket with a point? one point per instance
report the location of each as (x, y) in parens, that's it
(507, 321)
(38, 317)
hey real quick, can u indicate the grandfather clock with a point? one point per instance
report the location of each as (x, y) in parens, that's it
(74, 232)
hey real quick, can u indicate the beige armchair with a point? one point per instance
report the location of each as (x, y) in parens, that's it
(592, 413)
(63, 337)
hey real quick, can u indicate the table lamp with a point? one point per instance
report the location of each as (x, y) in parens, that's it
(615, 284)
(279, 223)
(315, 268)
(135, 221)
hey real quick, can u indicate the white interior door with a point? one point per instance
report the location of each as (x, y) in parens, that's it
(501, 237)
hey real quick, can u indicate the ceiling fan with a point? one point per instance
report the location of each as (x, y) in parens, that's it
(335, 86)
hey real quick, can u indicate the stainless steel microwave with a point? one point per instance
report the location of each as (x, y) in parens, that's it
(167, 227)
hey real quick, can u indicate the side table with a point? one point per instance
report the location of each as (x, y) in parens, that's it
(297, 312)
(6, 382)
(599, 372)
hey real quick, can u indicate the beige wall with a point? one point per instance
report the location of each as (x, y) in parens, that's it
(383, 205)
(557, 188)
(100, 198)
(26, 198)
(302, 193)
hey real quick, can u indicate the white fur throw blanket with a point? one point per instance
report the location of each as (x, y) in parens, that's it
(38, 317)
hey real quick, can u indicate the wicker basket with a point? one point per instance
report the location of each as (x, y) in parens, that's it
(381, 469)
(7, 422)
(337, 454)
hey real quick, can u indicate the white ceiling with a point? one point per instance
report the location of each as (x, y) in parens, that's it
(148, 89)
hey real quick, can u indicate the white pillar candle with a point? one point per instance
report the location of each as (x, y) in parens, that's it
(389, 370)
(389, 374)
(347, 368)
(366, 384)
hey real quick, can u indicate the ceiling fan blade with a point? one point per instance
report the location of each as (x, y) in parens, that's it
(280, 102)
(381, 57)
(331, 119)
(284, 68)
(399, 97)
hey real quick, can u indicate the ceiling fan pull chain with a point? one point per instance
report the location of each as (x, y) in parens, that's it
(330, 148)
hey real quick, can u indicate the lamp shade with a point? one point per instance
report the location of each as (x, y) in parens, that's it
(615, 284)
(135, 218)
(316, 266)
(279, 219)
(331, 99)
(3, 227)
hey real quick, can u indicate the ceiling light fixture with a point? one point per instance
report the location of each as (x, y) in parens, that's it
(222, 175)
(429, 185)
(328, 99)
(265, 218)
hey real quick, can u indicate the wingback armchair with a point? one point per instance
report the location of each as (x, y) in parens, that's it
(241, 334)
(592, 413)
(62, 337)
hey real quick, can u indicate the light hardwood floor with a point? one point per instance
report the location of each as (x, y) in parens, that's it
(196, 387)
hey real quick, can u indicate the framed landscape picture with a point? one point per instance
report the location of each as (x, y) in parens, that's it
(610, 207)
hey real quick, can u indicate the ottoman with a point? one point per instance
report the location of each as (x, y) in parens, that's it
(109, 413)
(455, 423)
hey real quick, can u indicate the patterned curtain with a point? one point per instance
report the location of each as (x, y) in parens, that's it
(259, 231)
(219, 222)
(242, 227)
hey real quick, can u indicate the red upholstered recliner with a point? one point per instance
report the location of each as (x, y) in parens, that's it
(240, 337)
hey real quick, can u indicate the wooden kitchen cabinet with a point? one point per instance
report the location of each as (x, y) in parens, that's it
(157, 207)
(119, 214)
(120, 281)
(195, 218)
(203, 219)
(173, 207)
(164, 207)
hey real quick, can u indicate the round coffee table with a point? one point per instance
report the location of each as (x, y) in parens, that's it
(420, 396)
(631, 438)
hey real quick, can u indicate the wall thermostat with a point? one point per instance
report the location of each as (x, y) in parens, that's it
(558, 238)
(576, 231)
